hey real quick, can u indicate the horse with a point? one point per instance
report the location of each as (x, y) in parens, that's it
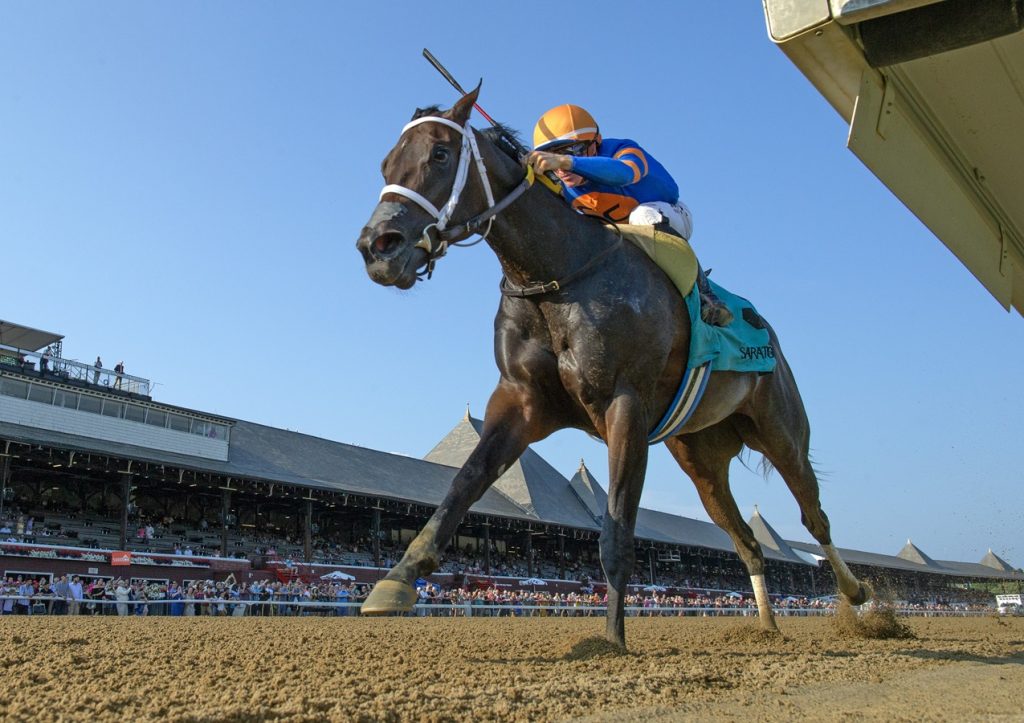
(589, 334)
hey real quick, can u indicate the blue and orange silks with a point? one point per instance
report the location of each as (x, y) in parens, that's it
(618, 179)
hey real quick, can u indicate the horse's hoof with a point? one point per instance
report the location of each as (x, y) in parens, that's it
(389, 596)
(864, 593)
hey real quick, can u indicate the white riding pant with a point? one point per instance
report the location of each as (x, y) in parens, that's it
(654, 212)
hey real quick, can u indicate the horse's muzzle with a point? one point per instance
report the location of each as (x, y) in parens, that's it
(390, 258)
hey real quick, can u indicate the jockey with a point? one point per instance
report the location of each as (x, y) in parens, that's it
(616, 180)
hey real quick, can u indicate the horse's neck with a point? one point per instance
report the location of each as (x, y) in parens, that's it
(538, 238)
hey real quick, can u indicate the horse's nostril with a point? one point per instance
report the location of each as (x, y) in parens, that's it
(387, 244)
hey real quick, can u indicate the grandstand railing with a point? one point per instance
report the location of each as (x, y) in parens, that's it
(207, 607)
(28, 362)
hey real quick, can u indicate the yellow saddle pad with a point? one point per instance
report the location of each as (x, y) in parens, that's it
(671, 253)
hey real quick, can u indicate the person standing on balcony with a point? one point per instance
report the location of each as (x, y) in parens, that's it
(96, 374)
(118, 370)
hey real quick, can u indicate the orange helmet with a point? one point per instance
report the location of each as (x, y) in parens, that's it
(564, 124)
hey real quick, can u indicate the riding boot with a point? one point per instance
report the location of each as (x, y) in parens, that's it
(712, 310)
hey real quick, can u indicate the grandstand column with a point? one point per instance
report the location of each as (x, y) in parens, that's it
(487, 547)
(126, 493)
(650, 563)
(561, 555)
(529, 553)
(225, 511)
(307, 532)
(376, 535)
(5, 476)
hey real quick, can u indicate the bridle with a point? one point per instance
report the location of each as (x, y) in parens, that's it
(437, 236)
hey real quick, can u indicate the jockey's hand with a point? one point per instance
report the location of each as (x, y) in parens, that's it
(543, 162)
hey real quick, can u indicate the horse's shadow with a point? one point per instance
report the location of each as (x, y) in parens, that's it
(953, 656)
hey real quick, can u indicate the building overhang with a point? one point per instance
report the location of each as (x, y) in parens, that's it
(933, 91)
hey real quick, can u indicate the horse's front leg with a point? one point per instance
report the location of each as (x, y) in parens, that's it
(626, 435)
(509, 426)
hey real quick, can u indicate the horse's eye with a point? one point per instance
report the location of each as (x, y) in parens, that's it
(441, 154)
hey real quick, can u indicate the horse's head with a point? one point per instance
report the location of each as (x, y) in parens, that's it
(424, 174)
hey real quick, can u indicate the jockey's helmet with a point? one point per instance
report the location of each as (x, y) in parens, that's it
(564, 125)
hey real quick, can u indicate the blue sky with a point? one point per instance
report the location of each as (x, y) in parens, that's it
(182, 184)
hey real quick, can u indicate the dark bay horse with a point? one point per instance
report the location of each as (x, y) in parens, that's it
(589, 334)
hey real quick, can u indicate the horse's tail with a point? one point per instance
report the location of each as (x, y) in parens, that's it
(765, 466)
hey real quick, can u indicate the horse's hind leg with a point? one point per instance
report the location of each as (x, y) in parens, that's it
(779, 430)
(705, 457)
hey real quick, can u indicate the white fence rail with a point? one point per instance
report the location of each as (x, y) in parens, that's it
(295, 608)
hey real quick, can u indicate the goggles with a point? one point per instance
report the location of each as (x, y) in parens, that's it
(572, 149)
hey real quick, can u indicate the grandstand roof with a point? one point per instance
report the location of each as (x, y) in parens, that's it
(894, 562)
(664, 527)
(993, 560)
(913, 553)
(590, 492)
(25, 337)
(772, 540)
(278, 455)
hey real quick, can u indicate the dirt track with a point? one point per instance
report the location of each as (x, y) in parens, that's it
(503, 669)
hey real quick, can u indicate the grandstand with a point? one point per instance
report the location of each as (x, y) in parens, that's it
(92, 466)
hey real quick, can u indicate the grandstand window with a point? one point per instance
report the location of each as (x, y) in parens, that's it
(179, 422)
(13, 388)
(217, 431)
(65, 399)
(199, 427)
(90, 404)
(111, 408)
(156, 418)
(37, 393)
(134, 412)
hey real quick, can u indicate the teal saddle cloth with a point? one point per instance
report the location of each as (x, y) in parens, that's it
(743, 346)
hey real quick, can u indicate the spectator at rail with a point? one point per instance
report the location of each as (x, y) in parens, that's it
(123, 593)
(7, 590)
(75, 595)
(118, 371)
(176, 594)
(61, 594)
(95, 592)
(44, 362)
(97, 367)
(23, 605)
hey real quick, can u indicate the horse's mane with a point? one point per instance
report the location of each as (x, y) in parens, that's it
(505, 138)
(501, 135)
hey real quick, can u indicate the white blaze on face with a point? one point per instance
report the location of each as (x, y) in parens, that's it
(386, 211)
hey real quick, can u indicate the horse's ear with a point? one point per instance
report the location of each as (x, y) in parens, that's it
(461, 110)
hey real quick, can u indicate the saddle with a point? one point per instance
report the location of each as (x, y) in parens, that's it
(671, 253)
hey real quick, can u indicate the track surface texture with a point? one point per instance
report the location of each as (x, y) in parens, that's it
(539, 669)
